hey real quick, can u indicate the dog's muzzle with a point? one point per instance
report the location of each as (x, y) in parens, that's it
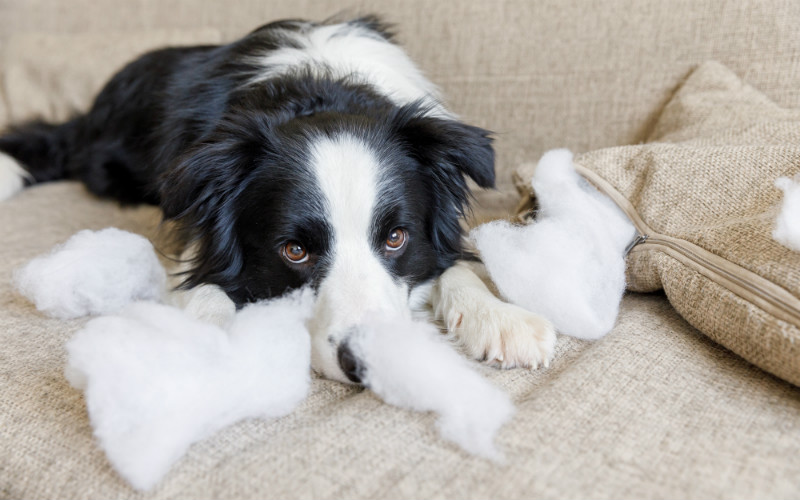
(357, 288)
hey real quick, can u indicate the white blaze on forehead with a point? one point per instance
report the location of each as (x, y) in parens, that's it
(348, 176)
(350, 50)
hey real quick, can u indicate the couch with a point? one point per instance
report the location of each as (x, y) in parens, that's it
(653, 410)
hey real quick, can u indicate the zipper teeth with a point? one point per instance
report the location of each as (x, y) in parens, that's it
(646, 236)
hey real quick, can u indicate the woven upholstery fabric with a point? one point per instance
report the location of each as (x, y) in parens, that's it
(706, 177)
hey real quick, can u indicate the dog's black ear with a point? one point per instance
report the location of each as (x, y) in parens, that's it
(200, 191)
(449, 144)
(447, 151)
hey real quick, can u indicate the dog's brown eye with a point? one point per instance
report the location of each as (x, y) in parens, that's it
(295, 253)
(396, 239)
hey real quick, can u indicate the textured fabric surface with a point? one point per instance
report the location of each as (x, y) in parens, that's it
(707, 177)
(654, 410)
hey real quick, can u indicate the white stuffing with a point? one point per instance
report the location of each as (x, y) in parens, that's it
(569, 264)
(94, 272)
(408, 364)
(787, 225)
(157, 380)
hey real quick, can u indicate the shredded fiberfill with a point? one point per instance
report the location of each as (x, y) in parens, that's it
(408, 364)
(157, 380)
(569, 264)
(787, 225)
(94, 272)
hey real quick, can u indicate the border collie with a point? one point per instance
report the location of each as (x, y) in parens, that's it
(303, 153)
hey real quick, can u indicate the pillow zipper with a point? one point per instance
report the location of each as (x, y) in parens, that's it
(748, 285)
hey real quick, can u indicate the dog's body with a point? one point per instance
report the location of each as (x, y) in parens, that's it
(301, 154)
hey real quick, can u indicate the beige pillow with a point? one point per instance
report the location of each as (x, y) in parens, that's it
(701, 190)
(53, 76)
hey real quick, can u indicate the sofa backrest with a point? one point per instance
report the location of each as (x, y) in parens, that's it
(541, 74)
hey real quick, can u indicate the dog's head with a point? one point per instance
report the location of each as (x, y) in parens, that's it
(350, 194)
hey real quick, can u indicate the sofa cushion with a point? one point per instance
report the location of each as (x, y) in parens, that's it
(701, 190)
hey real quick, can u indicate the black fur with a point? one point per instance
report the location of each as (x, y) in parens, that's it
(181, 128)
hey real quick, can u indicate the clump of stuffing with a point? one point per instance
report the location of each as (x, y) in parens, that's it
(157, 380)
(94, 272)
(569, 264)
(408, 364)
(787, 225)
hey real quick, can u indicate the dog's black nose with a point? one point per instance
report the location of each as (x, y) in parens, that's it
(350, 365)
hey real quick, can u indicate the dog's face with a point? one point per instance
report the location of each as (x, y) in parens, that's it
(365, 208)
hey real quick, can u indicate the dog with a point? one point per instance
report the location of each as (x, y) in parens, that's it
(301, 154)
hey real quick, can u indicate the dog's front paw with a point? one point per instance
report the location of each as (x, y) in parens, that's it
(207, 303)
(503, 335)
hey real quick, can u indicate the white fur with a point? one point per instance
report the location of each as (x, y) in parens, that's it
(207, 303)
(93, 273)
(157, 380)
(408, 364)
(419, 301)
(351, 51)
(12, 177)
(568, 265)
(502, 334)
(787, 225)
(357, 283)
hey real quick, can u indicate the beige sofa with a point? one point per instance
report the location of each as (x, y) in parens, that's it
(654, 410)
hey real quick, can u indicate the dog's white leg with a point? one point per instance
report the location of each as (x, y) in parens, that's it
(208, 303)
(12, 176)
(499, 333)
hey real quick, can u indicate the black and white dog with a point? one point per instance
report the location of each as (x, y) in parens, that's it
(303, 153)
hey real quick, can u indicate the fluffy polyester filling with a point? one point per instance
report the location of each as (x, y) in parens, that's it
(569, 264)
(408, 364)
(787, 225)
(156, 379)
(94, 272)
